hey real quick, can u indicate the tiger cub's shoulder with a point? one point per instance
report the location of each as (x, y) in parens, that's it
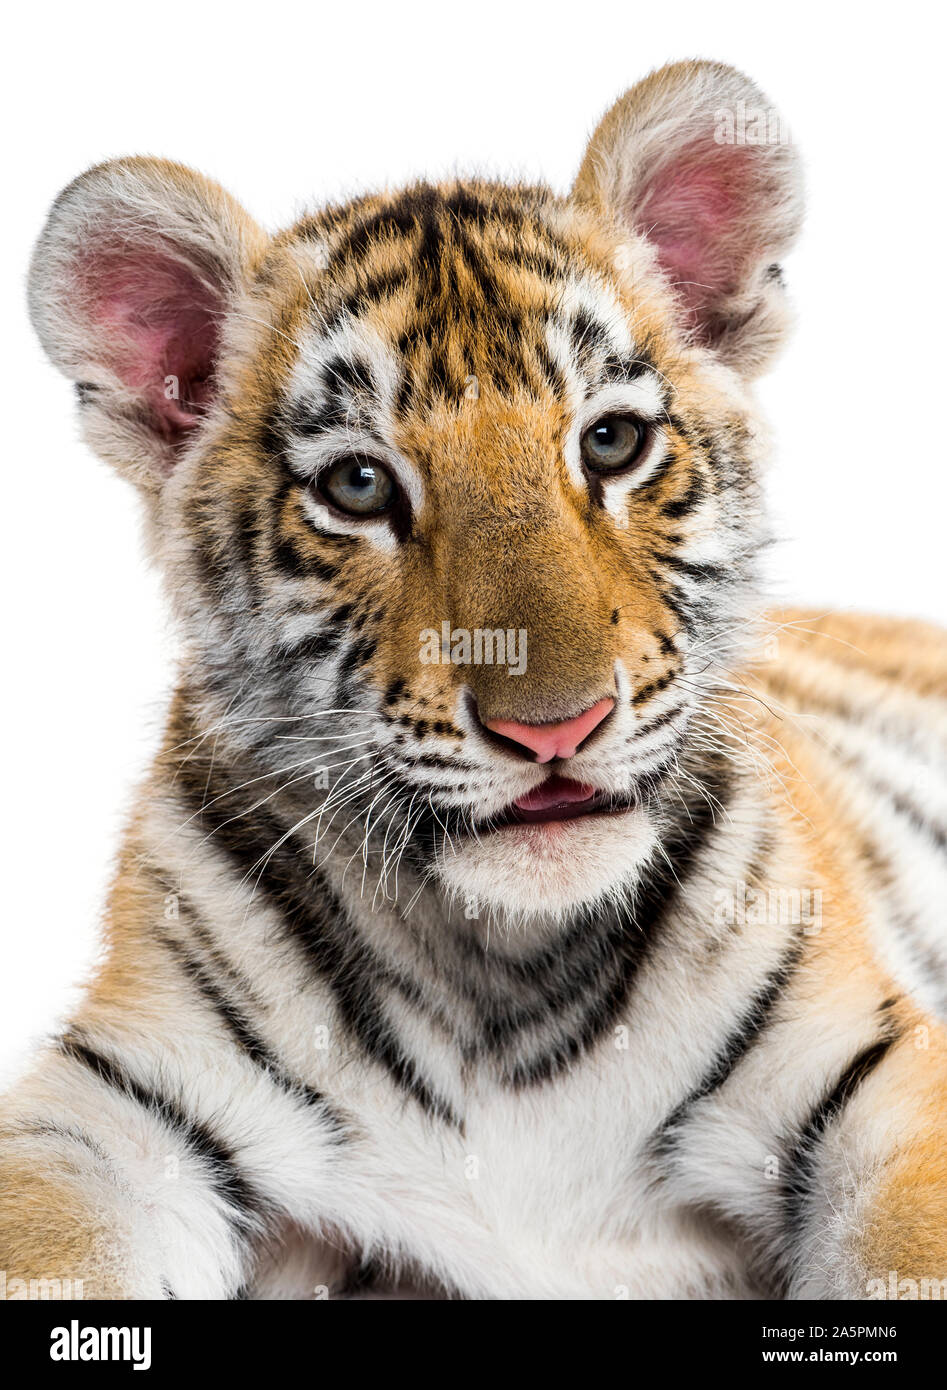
(900, 653)
(854, 668)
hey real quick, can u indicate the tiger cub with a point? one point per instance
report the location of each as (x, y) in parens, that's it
(512, 911)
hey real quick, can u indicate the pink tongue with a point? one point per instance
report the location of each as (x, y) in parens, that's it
(555, 791)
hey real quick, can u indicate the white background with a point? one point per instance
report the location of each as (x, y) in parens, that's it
(287, 105)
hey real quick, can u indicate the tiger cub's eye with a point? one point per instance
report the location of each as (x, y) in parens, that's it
(612, 443)
(359, 486)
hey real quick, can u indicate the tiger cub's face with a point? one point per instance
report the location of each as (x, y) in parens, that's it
(456, 487)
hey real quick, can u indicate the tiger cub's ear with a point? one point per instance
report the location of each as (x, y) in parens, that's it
(131, 276)
(696, 159)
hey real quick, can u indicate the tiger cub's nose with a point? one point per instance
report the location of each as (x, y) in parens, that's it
(545, 742)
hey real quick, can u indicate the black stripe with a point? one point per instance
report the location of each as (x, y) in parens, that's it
(676, 601)
(630, 939)
(685, 504)
(397, 220)
(44, 1128)
(901, 803)
(653, 688)
(664, 466)
(716, 573)
(350, 974)
(886, 882)
(445, 764)
(227, 1180)
(316, 920)
(240, 1029)
(550, 371)
(658, 722)
(358, 654)
(587, 335)
(314, 648)
(617, 368)
(482, 271)
(347, 375)
(302, 565)
(307, 420)
(467, 205)
(540, 261)
(803, 1155)
(753, 1022)
(368, 291)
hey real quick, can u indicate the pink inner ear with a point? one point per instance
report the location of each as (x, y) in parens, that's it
(159, 320)
(700, 212)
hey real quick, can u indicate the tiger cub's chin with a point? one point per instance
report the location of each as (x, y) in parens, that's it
(528, 871)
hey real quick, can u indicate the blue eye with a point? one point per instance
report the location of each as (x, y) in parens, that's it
(359, 486)
(612, 443)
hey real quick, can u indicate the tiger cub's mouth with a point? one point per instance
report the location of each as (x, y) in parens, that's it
(559, 799)
(560, 845)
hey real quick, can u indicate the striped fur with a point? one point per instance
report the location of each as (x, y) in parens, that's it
(352, 1028)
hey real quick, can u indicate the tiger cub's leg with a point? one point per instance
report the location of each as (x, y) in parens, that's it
(868, 1209)
(109, 1190)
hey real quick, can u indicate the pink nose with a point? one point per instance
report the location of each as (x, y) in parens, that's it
(549, 741)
